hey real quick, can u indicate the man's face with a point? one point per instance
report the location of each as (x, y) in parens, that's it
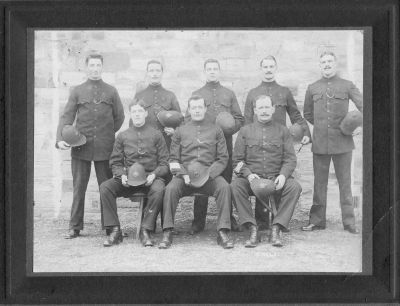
(197, 109)
(268, 70)
(212, 72)
(264, 109)
(94, 68)
(154, 73)
(328, 67)
(138, 115)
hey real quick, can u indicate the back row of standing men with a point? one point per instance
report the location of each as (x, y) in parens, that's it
(264, 145)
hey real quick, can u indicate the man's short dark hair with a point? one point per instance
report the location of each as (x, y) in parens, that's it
(331, 53)
(211, 60)
(261, 97)
(94, 55)
(195, 98)
(268, 57)
(153, 61)
(139, 102)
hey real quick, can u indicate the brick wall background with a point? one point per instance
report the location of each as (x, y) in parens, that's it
(59, 65)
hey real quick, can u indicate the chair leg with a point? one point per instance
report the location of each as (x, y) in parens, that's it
(139, 218)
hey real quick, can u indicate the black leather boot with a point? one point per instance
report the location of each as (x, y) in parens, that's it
(145, 238)
(253, 239)
(276, 236)
(224, 240)
(167, 239)
(115, 237)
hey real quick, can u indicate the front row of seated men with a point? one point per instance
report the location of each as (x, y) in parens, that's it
(264, 149)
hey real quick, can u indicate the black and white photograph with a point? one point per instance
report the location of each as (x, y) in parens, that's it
(199, 151)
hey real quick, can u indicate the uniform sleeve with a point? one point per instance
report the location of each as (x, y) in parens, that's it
(117, 164)
(289, 156)
(175, 103)
(68, 115)
(118, 111)
(248, 109)
(221, 161)
(356, 96)
(175, 151)
(162, 157)
(294, 113)
(239, 154)
(236, 113)
(309, 107)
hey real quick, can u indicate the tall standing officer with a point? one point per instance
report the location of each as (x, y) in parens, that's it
(284, 103)
(326, 104)
(96, 108)
(218, 99)
(156, 98)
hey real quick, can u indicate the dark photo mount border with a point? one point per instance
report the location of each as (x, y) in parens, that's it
(18, 18)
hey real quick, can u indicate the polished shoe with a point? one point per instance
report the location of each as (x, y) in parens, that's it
(145, 238)
(253, 239)
(71, 234)
(115, 237)
(109, 230)
(276, 236)
(352, 229)
(312, 227)
(235, 227)
(167, 239)
(195, 229)
(224, 240)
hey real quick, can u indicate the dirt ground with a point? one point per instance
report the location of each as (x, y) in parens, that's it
(331, 250)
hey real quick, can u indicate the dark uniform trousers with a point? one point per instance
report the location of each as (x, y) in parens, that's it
(286, 200)
(342, 164)
(80, 178)
(111, 189)
(217, 187)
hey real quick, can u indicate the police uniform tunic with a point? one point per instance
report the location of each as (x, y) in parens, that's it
(326, 104)
(97, 111)
(283, 101)
(266, 149)
(144, 145)
(156, 98)
(205, 143)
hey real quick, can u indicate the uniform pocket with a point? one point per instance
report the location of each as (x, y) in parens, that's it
(317, 97)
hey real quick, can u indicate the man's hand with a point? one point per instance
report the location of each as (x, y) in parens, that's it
(169, 131)
(280, 181)
(150, 179)
(124, 180)
(174, 167)
(252, 177)
(186, 178)
(62, 145)
(305, 140)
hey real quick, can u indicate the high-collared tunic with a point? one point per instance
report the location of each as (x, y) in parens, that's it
(325, 105)
(144, 145)
(156, 98)
(199, 141)
(266, 149)
(283, 101)
(97, 109)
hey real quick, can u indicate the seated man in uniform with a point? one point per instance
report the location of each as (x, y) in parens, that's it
(141, 144)
(198, 142)
(266, 150)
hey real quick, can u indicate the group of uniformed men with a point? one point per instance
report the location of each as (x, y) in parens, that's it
(196, 156)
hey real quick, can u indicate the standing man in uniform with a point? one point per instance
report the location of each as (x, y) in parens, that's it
(218, 99)
(326, 104)
(198, 141)
(96, 108)
(146, 146)
(284, 103)
(266, 150)
(156, 98)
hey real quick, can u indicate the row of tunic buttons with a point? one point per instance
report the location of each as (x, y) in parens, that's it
(329, 83)
(198, 148)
